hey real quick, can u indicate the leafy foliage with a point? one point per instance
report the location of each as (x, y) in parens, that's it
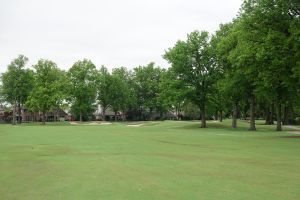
(82, 76)
(191, 61)
(47, 91)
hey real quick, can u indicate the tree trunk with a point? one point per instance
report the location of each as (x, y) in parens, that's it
(19, 112)
(44, 118)
(252, 114)
(238, 111)
(103, 113)
(14, 114)
(288, 114)
(160, 115)
(266, 115)
(234, 115)
(177, 113)
(80, 116)
(203, 120)
(221, 115)
(216, 115)
(123, 116)
(115, 116)
(244, 113)
(150, 115)
(285, 117)
(272, 114)
(278, 116)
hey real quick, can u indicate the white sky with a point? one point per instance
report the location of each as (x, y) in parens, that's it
(115, 33)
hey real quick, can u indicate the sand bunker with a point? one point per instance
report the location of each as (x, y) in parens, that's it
(134, 125)
(105, 123)
(91, 123)
(294, 132)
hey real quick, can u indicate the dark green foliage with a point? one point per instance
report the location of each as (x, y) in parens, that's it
(119, 93)
(82, 76)
(191, 61)
(47, 93)
(17, 82)
(250, 69)
(172, 92)
(146, 85)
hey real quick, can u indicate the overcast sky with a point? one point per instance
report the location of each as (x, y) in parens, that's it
(114, 33)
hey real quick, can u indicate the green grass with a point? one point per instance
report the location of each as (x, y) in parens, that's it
(165, 160)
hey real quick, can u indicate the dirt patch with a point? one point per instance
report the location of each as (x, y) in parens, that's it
(294, 132)
(292, 136)
(293, 127)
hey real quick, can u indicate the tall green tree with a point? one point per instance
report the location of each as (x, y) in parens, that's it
(191, 60)
(172, 92)
(243, 60)
(17, 83)
(266, 32)
(146, 85)
(232, 83)
(46, 94)
(82, 76)
(103, 82)
(124, 97)
(118, 94)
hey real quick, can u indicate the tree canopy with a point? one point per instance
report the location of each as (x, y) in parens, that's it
(248, 69)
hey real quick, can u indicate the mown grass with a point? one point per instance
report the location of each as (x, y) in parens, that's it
(158, 160)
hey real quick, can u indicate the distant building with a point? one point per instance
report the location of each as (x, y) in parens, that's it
(109, 114)
(2, 114)
(55, 115)
(27, 116)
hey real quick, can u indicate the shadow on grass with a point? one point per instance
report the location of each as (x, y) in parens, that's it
(242, 126)
(210, 126)
(290, 136)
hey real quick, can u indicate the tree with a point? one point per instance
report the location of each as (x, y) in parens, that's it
(232, 83)
(103, 89)
(17, 83)
(295, 41)
(191, 111)
(266, 26)
(82, 76)
(217, 100)
(2, 99)
(46, 94)
(124, 97)
(118, 94)
(146, 85)
(191, 60)
(243, 60)
(172, 93)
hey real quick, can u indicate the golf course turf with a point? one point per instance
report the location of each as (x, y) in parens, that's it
(149, 160)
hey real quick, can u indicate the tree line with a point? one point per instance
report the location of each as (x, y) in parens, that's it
(249, 68)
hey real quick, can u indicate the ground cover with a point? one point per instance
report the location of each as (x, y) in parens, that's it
(154, 160)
